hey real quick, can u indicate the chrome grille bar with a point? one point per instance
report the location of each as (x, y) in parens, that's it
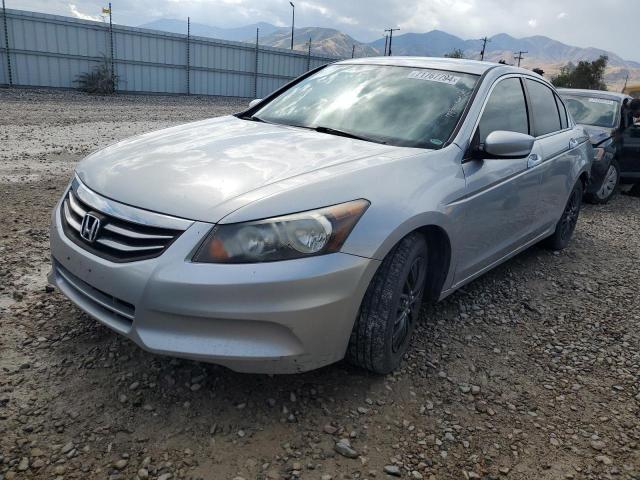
(126, 248)
(125, 233)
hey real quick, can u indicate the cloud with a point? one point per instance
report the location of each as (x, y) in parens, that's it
(83, 16)
(562, 15)
(533, 23)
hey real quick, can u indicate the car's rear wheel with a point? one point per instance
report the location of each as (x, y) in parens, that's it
(390, 307)
(608, 187)
(567, 223)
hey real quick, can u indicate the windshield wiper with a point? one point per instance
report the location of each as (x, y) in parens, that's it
(342, 133)
(253, 118)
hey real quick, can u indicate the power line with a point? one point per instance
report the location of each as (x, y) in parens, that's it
(485, 40)
(391, 30)
(519, 57)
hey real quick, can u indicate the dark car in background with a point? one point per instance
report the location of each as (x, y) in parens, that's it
(615, 138)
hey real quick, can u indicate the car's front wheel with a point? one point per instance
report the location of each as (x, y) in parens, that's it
(608, 186)
(390, 307)
(567, 223)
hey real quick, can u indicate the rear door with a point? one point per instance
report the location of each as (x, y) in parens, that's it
(629, 153)
(558, 141)
(500, 208)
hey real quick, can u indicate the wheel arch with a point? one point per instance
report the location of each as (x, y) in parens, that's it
(436, 231)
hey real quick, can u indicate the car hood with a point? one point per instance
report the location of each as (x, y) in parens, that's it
(194, 170)
(597, 135)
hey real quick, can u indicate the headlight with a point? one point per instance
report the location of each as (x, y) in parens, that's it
(598, 154)
(304, 234)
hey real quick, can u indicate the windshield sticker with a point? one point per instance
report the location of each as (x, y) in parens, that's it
(434, 77)
(436, 141)
(602, 100)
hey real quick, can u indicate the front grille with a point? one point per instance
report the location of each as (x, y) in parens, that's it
(116, 239)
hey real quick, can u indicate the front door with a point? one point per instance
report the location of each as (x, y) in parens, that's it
(629, 156)
(501, 205)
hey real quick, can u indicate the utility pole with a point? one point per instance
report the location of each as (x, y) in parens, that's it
(485, 40)
(353, 50)
(519, 57)
(625, 83)
(293, 21)
(386, 39)
(309, 56)
(391, 30)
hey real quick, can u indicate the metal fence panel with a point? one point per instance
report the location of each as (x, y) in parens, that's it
(52, 50)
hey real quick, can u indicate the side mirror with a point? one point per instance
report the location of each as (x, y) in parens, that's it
(253, 103)
(503, 144)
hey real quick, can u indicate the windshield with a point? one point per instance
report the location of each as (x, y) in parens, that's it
(598, 112)
(394, 105)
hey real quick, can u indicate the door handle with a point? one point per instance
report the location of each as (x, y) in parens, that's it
(534, 160)
(573, 143)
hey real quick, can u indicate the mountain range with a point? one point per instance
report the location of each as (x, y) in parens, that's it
(542, 52)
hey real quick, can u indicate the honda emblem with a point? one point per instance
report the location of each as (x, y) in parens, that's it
(90, 227)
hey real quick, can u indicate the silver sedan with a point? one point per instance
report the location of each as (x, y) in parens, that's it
(310, 227)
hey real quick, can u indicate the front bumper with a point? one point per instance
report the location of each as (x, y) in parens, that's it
(599, 171)
(279, 317)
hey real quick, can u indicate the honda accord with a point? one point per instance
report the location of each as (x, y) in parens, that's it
(311, 226)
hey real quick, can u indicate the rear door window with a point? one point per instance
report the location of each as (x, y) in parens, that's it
(506, 109)
(546, 118)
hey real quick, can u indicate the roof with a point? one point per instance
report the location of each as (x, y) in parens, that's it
(593, 93)
(474, 67)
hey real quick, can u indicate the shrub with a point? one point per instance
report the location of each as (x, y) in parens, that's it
(100, 79)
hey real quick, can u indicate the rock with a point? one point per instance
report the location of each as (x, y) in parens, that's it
(134, 386)
(143, 474)
(120, 464)
(165, 476)
(343, 447)
(598, 445)
(330, 429)
(67, 448)
(604, 460)
(23, 465)
(392, 470)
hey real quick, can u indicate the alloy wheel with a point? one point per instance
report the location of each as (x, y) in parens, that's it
(570, 216)
(409, 303)
(609, 183)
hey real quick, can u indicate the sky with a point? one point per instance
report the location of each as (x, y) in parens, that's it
(606, 24)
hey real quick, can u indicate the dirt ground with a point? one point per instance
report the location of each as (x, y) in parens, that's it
(530, 372)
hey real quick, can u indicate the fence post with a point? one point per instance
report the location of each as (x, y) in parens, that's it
(255, 76)
(309, 56)
(6, 43)
(113, 68)
(188, 56)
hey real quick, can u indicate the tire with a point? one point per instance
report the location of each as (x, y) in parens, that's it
(635, 190)
(607, 188)
(567, 223)
(390, 308)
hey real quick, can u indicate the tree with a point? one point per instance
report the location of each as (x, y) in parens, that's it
(539, 71)
(455, 53)
(502, 61)
(587, 75)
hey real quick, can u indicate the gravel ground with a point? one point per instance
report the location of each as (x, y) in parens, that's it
(530, 372)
